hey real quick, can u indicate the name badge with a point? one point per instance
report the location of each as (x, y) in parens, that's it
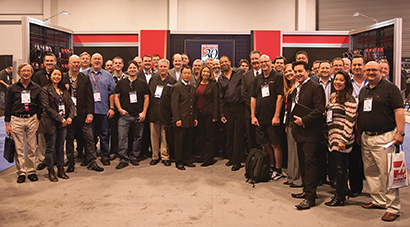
(74, 100)
(329, 116)
(61, 109)
(25, 96)
(265, 91)
(158, 91)
(133, 97)
(367, 106)
(97, 96)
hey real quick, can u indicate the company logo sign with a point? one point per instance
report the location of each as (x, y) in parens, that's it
(209, 51)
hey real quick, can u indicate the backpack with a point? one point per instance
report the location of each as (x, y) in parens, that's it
(257, 168)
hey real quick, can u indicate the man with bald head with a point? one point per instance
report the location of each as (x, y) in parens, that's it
(380, 101)
(81, 93)
(103, 86)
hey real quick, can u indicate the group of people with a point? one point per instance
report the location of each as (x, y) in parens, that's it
(322, 118)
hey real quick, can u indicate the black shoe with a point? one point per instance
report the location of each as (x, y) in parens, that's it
(121, 165)
(41, 166)
(135, 162)
(298, 195)
(70, 168)
(236, 167)
(354, 194)
(32, 177)
(180, 167)
(105, 161)
(305, 204)
(336, 201)
(287, 183)
(84, 163)
(21, 179)
(229, 163)
(113, 157)
(95, 167)
(166, 162)
(154, 162)
(189, 164)
(292, 185)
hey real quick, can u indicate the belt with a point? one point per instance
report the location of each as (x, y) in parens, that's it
(375, 133)
(23, 115)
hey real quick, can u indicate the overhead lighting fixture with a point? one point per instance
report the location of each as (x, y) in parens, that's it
(361, 14)
(62, 12)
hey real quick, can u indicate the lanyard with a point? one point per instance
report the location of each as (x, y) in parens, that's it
(95, 80)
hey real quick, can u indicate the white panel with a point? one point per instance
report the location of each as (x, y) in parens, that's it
(21, 7)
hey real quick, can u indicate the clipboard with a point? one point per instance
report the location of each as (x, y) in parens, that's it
(301, 110)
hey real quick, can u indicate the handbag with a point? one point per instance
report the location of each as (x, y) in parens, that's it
(397, 170)
(9, 149)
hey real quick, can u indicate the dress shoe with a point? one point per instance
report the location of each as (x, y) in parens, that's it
(287, 183)
(52, 175)
(84, 163)
(370, 206)
(61, 173)
(135, 162)
(236, 167)
(229, 163)
(41, 166)
(95, 167)
(70, 168)
(354, 194)
(292, 185)
(189, 164)
(299, 195)
(21, 179)
(389, 216)
(121, 165)
(166, 162)
(32, 177)
(305, 204)
(336, 201)
(113, 157)
(180, 167)
(105, 161)
(154, 162)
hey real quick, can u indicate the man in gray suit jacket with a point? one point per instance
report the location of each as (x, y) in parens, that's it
(176, 71)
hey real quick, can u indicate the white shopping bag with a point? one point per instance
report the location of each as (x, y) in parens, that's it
(397, 170)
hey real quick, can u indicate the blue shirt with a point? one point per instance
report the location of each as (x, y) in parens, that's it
(105, 85)
(357, 88)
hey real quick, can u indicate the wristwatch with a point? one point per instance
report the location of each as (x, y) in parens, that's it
(401, 133)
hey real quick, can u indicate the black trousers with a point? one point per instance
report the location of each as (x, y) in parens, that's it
(355, 165)
(235, 131)
(183, 142)
(206, 131)
(114, 133)
(340, 160)
(308, 153)
(250, 134)
(86, 133)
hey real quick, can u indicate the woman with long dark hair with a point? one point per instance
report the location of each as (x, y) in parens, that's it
(341, 113)
(57, 114)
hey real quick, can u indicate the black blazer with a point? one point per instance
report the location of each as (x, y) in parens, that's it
(246, 86)
(312, 96)
(211, 99)
(50, 119)
(85, 99)
(183, 104)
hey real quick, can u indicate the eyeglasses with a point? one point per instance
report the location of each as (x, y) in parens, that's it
(264, 62)
(372, 70)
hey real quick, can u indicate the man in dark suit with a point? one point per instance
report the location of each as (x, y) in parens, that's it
(308, 106)
(247, 81)
(82, 96)
(185, 118)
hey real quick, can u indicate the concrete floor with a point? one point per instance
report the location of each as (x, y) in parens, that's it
(164, 196)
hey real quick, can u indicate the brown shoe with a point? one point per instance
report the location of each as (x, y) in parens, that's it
(61, 173)
(370, 206)
(389, 216)
(52, 175)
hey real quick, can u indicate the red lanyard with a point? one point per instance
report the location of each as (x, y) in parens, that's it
(95, 80)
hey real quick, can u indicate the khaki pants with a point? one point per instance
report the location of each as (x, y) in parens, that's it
(158, 136)
(375, 169)
(25, 128)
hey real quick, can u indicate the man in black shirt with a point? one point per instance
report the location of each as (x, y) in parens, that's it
(232, 111)
(380, 101)
(266, 105)
(131, 100)
(23, 109)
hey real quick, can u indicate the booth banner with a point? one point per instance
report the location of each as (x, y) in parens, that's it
(209, 51)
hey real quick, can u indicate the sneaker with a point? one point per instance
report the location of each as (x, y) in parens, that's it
(276, 176)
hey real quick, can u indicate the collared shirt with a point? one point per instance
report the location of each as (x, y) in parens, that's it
(327, 88)
(217, 75)
(73, 85)
(357, 88)
(177, 74)
(105, 85)
(257, 72)
(13, 100)
(148, 75)
(230, 89)
(298, 87)
(116, 78)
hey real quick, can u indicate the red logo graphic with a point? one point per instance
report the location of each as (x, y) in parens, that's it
(209, 51)
(399, 171)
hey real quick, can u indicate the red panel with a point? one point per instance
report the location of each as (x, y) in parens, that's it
(267, 42)
(106, 38)
(153, 42)
(324, 39)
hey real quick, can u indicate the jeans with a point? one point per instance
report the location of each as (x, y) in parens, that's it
(100, 128)
(56, 141)
(125, 122)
